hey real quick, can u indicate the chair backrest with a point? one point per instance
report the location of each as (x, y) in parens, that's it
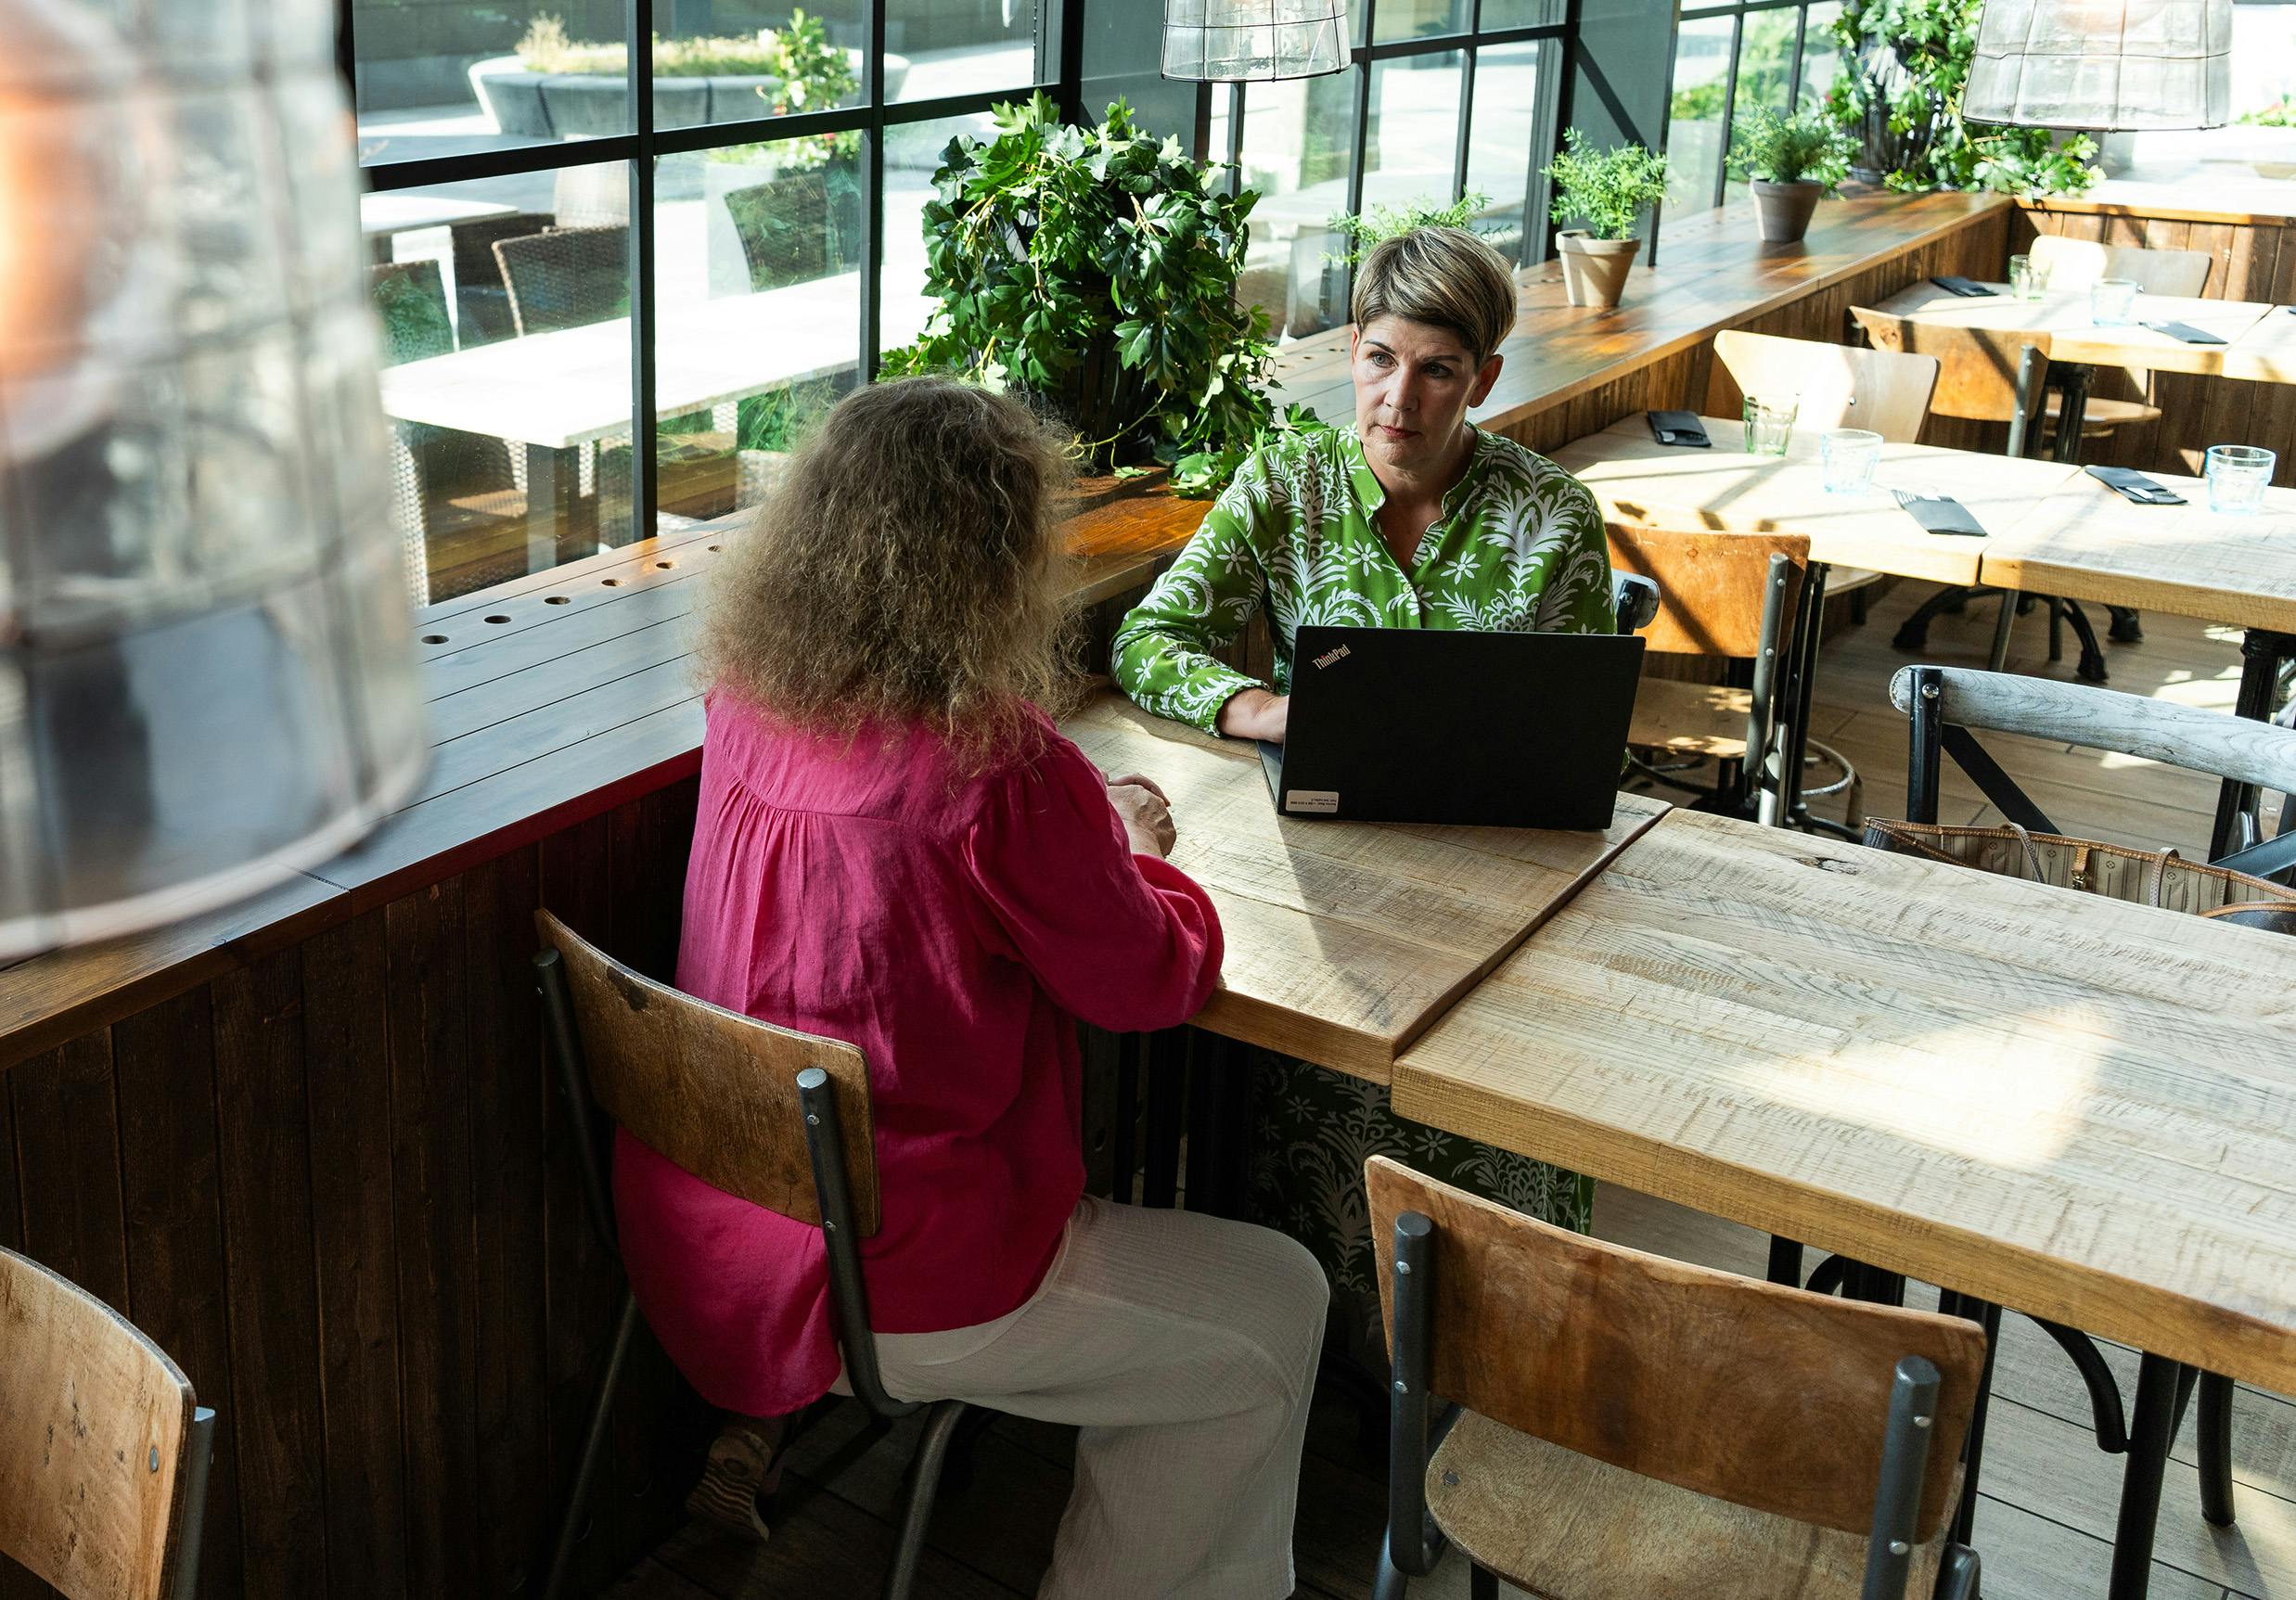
(103, 1449)
(711, 1090)
(1978, 367)
(2076, 264)
(1834, 384)
(2216, 743)
(410, 297)
(784, 227)
(1768, 1397)
(1712, 587)
(567, 278)
(481, 300)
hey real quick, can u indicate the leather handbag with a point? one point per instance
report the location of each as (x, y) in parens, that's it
(2161, 877)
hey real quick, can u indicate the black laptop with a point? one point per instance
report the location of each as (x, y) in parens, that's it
(1419, 724)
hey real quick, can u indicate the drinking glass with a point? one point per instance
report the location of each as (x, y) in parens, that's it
(2112, 301)
(2237, 476)
(1847, 457)
(1769, 424)
(2027, 280)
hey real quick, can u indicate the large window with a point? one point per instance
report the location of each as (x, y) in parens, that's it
(1448, 97)
(1728, 59)
(611, 297)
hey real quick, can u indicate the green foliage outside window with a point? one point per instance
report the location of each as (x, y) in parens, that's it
(1898, 91)
(1607, 191)
(1382, 222)
(2281, 114)
(1095, 269)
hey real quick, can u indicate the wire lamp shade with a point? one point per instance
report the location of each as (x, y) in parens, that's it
(206, 675)
(2102, 64)
(1235, 41)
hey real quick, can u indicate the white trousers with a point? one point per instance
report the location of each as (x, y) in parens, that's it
(1185, 1347)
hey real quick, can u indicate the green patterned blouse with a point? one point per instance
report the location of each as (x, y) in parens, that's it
(1519, 548)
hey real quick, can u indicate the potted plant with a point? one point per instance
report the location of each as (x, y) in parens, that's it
(1791, 163)
(1607, 191)
(1095, 269)
(1898, 94)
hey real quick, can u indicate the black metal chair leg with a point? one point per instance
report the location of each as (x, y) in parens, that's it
(1391, 1584)
(1785, 1262)
(593, 1440)
(1483, 1585)
(2149, 1435)
(2216, 1442)
(2105, 1414)
(1987, 1315)
(924, 1483)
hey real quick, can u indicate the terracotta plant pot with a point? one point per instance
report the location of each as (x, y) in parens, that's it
(1783, 210)
(1593, 271)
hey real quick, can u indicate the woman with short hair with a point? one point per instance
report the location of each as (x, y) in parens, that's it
(895, 846)
(1413, 518)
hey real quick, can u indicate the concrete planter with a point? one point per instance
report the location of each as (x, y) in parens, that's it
(1593, 271)
(569, 105)
(1782, 210)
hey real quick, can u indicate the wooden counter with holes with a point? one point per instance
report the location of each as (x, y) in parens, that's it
(307, 1143)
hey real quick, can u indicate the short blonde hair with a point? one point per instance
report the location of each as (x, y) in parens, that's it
(910, 567)
(1444, 277)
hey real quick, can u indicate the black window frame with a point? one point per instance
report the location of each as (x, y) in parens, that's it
(1058, 32)
(1737, 12)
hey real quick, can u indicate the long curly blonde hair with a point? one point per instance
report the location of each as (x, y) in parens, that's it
(908, 569)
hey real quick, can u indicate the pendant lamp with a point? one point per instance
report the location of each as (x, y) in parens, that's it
(1238, 41)
(206, 675)
(2103, 65)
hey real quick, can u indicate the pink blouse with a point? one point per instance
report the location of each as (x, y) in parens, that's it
(953, 929)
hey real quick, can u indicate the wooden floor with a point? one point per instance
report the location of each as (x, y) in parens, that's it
(2047, 1511)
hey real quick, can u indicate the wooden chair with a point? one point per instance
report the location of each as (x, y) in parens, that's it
(1734, 597)
(1945, 707)
(774, 1116)
(1833, 386)
(1627, 1426)
(103, 1451)
(1984, 375)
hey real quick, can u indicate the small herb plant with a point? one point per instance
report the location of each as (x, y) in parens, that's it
(1807, 147)
(1095, 268)
(1608, 190)
(1383, 223)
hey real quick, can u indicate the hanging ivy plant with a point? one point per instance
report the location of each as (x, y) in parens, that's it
(1095, 268)
(1898, 90)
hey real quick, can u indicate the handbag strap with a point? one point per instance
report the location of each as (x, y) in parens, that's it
(2032, 851)
(2156, 875)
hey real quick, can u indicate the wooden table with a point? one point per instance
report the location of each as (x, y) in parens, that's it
(1642, 483)
(1344, 940)
(2064, 315)
(2072, 1106)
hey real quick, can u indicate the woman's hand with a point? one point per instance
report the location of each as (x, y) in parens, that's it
(1255, 715)
(1143, 810)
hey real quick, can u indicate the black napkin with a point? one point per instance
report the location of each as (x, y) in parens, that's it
(1968, 288)
(1681, 428)
(1940, 513)
(2185, 331)
(2131, 484)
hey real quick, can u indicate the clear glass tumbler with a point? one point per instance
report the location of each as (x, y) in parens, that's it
(2238, 475)
(1769, 425)
(1847, 457)
(2027, 279)
(2112, 301)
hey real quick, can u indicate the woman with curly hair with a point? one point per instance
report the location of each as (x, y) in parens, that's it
(896, 847)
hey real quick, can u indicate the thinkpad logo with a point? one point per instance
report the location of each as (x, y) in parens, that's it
(1330, 656)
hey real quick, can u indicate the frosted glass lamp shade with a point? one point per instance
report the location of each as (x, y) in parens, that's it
(207, 680)
(1238, 41)
(2102, 64)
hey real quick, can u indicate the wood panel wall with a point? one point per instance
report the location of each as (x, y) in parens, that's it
(335, 1186)
(2255, 259)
